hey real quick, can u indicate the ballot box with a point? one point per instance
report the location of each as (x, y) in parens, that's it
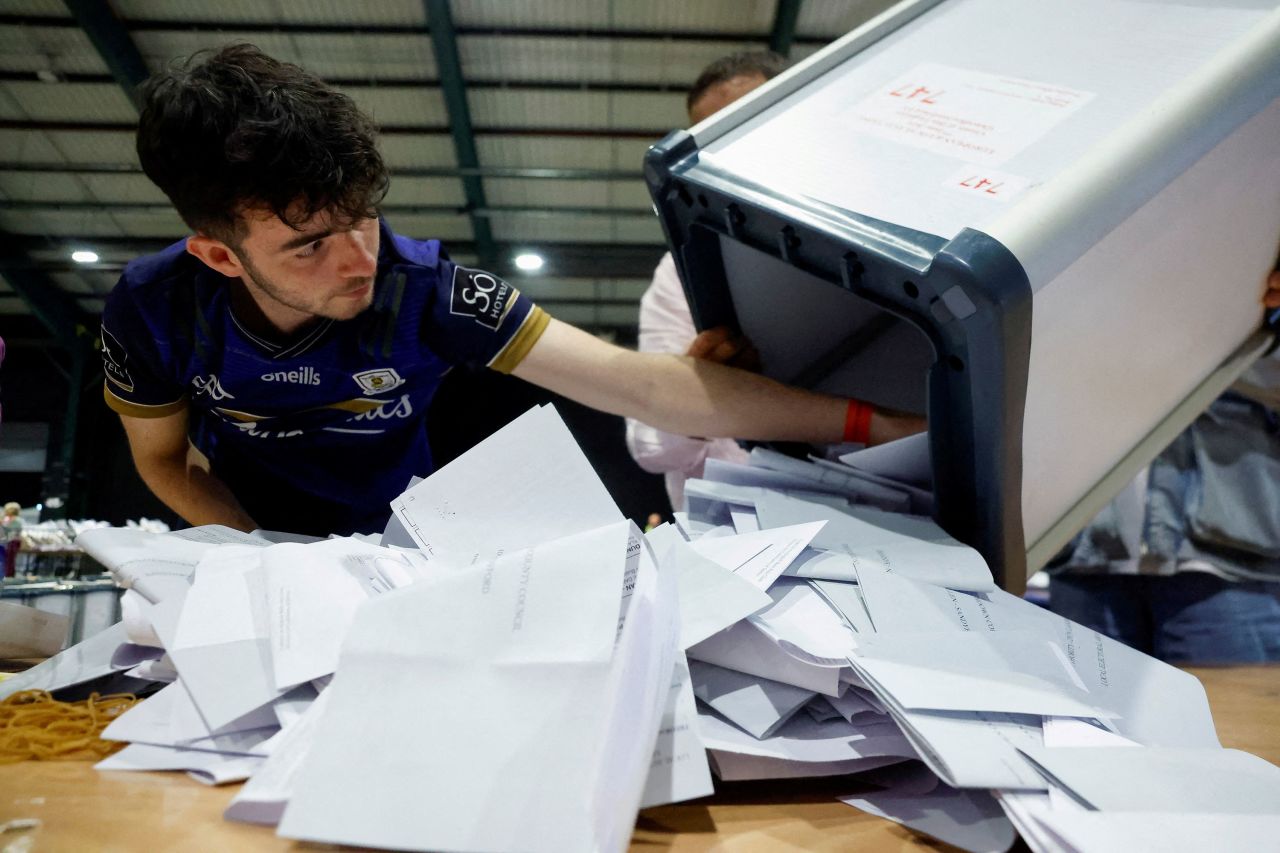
(1046, 224)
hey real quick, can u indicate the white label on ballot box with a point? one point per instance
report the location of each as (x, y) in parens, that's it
(971, 115)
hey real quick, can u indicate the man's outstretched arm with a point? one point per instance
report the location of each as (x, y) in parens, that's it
(179, 475)
(688, 396)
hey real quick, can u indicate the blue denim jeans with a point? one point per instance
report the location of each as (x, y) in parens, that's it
(1189, 618)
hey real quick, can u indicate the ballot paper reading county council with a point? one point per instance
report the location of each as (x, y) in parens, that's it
(437, 668)
(527, 483)
(905, 545)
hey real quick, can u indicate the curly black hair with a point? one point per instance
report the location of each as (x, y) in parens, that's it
(766, 63)
(226, 131)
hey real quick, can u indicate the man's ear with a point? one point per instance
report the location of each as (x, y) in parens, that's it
(216, 255)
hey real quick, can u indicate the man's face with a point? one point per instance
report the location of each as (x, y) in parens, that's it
(722, 95)
(324, 268)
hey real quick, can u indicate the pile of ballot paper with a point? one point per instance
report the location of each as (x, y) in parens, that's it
(512, 665)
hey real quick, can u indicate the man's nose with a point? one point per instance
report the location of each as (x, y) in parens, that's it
(356, 258)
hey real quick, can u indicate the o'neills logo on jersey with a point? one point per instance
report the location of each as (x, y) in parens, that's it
(211, 386)
(301, 376)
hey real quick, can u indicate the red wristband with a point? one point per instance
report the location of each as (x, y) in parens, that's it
(857, 422)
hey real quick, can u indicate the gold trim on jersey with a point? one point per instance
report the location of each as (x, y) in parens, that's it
(510, 356)
(141, 410)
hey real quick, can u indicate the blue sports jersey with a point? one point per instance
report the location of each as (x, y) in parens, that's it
(319, 434)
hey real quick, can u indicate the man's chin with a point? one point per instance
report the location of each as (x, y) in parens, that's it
(348, 305)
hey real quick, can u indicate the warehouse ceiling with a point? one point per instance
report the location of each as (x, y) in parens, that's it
(510, 126)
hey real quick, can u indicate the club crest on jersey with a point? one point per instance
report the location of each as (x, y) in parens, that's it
(378, 380)
(481, 296)
(211, 386)
(113, 361)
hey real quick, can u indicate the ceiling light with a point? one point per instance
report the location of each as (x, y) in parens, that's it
(83, 256)
(529, 262)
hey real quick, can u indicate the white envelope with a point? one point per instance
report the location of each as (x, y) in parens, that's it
(211, 768)
(909, 546)
(756, 705)
(804, 625)
(760, 557)
(711, 597)
(1019, 672)
(970, 820)
(803, 739)
(740, 767)
(221, 647)
(527, 483)
(745, 647)
(312, 592)
(1163, 779)
(486, 685)
(679, 770)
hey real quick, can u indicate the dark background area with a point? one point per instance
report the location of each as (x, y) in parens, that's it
(470, 405)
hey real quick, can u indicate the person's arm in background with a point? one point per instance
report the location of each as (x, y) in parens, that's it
(666, 326)
(1271, 298)
(179, 475)
(686, 396)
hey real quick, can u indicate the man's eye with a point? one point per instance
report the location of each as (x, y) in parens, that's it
(310, 249)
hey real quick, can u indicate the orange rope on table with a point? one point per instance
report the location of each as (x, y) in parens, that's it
(35, 725)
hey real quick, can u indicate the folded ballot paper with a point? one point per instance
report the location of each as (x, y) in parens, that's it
(513, 666)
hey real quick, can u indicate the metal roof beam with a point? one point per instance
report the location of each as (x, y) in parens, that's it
(444, 42)
(111, 39)
(534, 173)
(55, 308)
(783, 34)
(384, 130)
(18, 76)
(484, 212)
(357, 28)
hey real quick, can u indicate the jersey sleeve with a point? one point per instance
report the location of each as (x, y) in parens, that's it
(477, 318)
(136, 383)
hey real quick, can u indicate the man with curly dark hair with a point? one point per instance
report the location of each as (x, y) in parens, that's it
(274, 369)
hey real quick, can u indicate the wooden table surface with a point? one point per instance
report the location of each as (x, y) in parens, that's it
(81, 809)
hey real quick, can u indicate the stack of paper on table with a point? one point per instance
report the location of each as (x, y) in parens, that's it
(566, 629)
(421, 696)
(906, 652)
